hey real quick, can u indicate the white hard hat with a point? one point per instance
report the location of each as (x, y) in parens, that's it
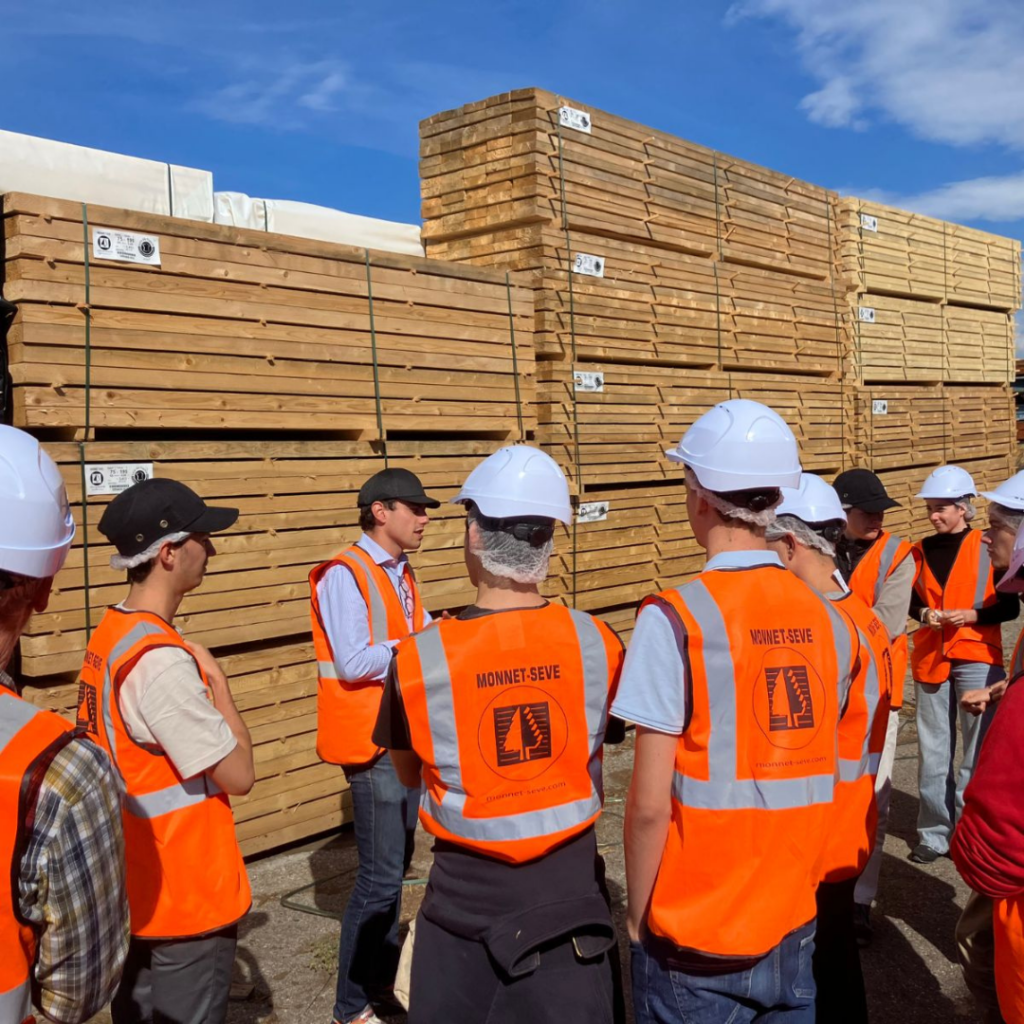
(814, 501)
(948, 482)
(740, 445)
(516, 482)
(37, 528)
(1010, 493)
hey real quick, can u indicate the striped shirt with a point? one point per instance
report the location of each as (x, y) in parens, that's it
(71, 883)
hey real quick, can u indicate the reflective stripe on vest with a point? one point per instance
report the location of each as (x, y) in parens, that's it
(449, 812)
(885, 566)
(173, 798)
(723, 790)
(138, 632)
(984, 571)
(16, 1004)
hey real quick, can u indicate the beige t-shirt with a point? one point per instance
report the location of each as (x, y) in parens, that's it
(164, 703)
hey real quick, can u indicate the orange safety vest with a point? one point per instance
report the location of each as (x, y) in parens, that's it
(29, 738)
(970, 585)
(507, 713)
(185, 874)
(862, 729)
(1008, 929)
(868, 578)
(769, 663)
(347, 712)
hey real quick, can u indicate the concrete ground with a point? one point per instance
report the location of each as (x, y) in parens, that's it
(286, 966)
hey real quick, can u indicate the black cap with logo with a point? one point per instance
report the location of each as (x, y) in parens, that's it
(151, 509)
(860, 488)
(394, 485)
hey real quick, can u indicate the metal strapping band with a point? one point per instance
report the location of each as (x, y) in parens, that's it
(578, 470)
(515, 357)
(840, 354)
(376, 369)
(87, 310)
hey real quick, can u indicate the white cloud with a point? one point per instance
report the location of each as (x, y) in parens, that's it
(268, 96)
(997, 198)
(947, 70)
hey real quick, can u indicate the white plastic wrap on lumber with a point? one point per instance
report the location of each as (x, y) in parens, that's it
(65, 171)
(305, 220)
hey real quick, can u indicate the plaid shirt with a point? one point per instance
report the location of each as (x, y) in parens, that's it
(71, 883)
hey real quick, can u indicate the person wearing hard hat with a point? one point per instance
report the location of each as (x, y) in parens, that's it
(161, 707)
(808, 526)
(879, 568)
(958, 649)
(363, 602)
(987, 799)
(735, 681)
(501, 714)
(988, 843)
(63, 912)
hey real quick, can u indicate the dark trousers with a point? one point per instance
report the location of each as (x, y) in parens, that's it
(457, 980)
(777, 989)
(837, 973)
(384, 816)
(176, 981)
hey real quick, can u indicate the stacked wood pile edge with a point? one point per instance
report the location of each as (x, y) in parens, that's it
(591, 286)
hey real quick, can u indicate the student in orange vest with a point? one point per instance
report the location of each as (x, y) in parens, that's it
(974, 930)
(501, 714)
(988, 844)
(879, 568)
(958, 649)
(808, 525)
(364, 601)
(162, 709)
(735, 681)
(63, 913)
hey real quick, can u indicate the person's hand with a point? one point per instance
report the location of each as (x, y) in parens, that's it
(977, 702)
(932, 619)
(446, 614)
(959, 617)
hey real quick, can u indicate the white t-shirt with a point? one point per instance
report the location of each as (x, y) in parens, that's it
(164, 703)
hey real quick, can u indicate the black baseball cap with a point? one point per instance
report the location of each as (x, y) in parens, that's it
(394, 485)
(151, 509)
(860, 488)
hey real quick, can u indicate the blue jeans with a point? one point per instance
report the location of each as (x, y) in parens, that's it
(779, 987)
(938, 708)
(385, 826)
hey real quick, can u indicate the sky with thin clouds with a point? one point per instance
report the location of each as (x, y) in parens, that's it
(914, 102)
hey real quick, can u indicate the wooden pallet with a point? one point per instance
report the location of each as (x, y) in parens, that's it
(897, 339)
(979, 345)
(241, 329)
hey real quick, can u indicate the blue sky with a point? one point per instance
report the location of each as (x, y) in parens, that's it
(917, 102)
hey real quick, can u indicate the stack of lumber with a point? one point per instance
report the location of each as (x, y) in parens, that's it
(667, 277)
(240, 329)
(272, 374)
(931, 309)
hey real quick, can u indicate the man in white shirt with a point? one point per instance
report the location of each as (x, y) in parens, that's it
(162, 709)
(363, 602)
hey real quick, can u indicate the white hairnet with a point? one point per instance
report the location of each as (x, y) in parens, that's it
(726, 508)
(131, 561)
(508, 557)
(803, 532)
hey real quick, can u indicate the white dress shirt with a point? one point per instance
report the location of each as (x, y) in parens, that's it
(346, 617)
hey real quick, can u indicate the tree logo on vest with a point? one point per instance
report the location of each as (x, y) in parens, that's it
(789, 699)
(88, 710)
(522, 732)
